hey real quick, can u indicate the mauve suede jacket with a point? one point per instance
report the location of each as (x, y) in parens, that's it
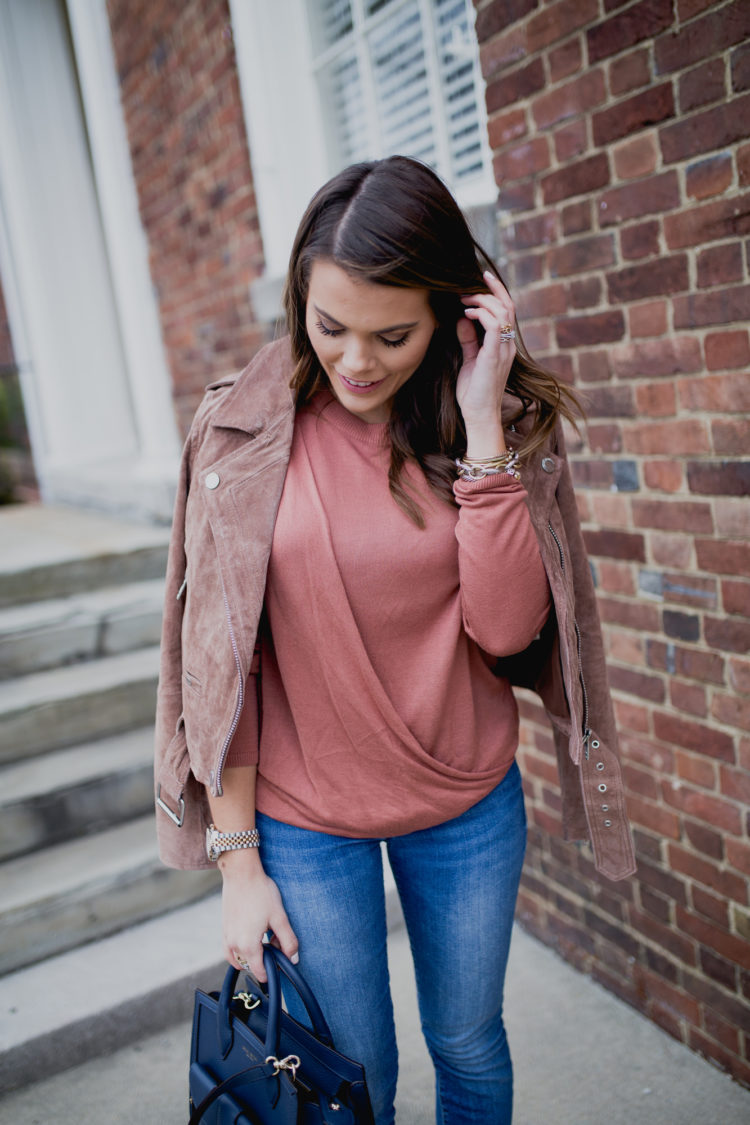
(231, 478)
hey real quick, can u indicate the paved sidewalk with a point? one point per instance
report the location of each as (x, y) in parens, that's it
(582, 1057)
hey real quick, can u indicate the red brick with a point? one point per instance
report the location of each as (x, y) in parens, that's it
(716, 393)
(650, 107)
(733, 712)
(615, 545)
(670, 515)
(721, 219)
(658, 193)
(664, 476)
(708, 177)
(722, 1032)
(640, 240)
(495, 17)
(703, 84)
(610, 509)
(609, 402)
(576, 217)
(584, 293)
(577, 178)
(733, 948)
(739, 670)
(636, 156)
(724, 557)
(549, 300)
(705, 840)
(712, 129)
(654, 816)
(570, 100)
(690, 589)
(506, 127)
(719, 478)
(742, 158)
(582, 254)
(521, 160)
(534, 231)
(631, 718)
(604, 439)
(640, 21)
(625, 647)
(565, 60)
(736, 596)
(599, 328)
(711, 907)
(652, 279)
(558, 20)
(571, 140)
(648, 319)
(593, 366)
(710, 874)
(630, 72)
(738, 854)
(517, 197)
(516, 86)
(696, 737)
(726, 350)
(735, 783)
(502, 51)
(671, 550)
(632, 615)
(692, 767)
(677, 437)
(740, 66)
(718, 307)
(730, 436)
(657, 357)
(703, 38)
(637, 683)
(731, 635)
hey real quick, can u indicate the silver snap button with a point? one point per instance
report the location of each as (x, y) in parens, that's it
(212, 480)
(607, 823)
(600, 765)
(605, 808)
(602, 788)
(548, 464)
(595, 744)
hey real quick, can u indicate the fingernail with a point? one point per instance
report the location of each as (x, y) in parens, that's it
(294, 958)
(489, 273)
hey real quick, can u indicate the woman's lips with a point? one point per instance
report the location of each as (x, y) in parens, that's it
(360, 387)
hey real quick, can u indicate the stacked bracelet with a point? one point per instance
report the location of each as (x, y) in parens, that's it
(477, 468)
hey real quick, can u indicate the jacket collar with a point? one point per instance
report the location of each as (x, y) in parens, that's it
(261, 394)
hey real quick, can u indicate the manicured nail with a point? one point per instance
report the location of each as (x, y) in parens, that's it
(294, 958)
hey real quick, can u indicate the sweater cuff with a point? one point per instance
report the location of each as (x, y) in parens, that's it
(500, 482)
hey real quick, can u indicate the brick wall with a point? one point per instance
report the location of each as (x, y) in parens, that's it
(618, 132)
(181, 101)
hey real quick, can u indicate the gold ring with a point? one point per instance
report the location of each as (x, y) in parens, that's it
(506, 328)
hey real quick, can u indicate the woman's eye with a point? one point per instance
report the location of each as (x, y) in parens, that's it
(395, 343)
(326, 331)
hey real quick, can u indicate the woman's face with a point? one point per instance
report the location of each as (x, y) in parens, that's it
(368, 338)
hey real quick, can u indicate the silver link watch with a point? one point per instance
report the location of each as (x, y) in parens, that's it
(218, 842)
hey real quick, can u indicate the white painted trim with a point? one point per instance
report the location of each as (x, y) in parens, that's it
(282, 117)
(148, 374)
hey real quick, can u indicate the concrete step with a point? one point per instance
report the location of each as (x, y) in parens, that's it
(75, 792)
(40, 635)
(90, 1001)
(82, 890)
(51, 552)
(65, 706)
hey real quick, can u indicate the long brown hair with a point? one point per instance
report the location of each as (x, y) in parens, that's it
(393, 222)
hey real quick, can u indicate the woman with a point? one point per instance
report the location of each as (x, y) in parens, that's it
(375, 533)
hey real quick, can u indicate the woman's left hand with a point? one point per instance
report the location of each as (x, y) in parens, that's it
(485, 369)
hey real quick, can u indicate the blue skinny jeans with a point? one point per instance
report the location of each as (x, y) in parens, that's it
(458, 884)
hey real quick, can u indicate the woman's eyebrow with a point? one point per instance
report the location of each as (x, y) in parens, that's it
(379, 332)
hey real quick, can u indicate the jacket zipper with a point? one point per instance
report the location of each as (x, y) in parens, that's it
(240, 698)
(584, 693)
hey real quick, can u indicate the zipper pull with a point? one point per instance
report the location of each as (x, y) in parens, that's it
(182, 588)
(586, 737)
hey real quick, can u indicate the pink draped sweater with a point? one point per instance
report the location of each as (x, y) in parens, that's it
(380, 711)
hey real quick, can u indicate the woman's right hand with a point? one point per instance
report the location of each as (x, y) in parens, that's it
(251, 907)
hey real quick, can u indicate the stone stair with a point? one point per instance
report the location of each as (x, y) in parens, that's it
(80, 612)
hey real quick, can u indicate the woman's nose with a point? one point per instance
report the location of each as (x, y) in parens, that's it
(357, 355)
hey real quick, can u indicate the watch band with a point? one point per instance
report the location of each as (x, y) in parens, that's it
(218, 842)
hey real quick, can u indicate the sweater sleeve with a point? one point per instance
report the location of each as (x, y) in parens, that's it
(245, 745)
(505, 596)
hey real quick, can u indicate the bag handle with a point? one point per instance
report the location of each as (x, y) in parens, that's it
(275, 962)
(222, 1088)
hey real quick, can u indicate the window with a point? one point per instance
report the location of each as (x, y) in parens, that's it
(329, 82)
(400, 76)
